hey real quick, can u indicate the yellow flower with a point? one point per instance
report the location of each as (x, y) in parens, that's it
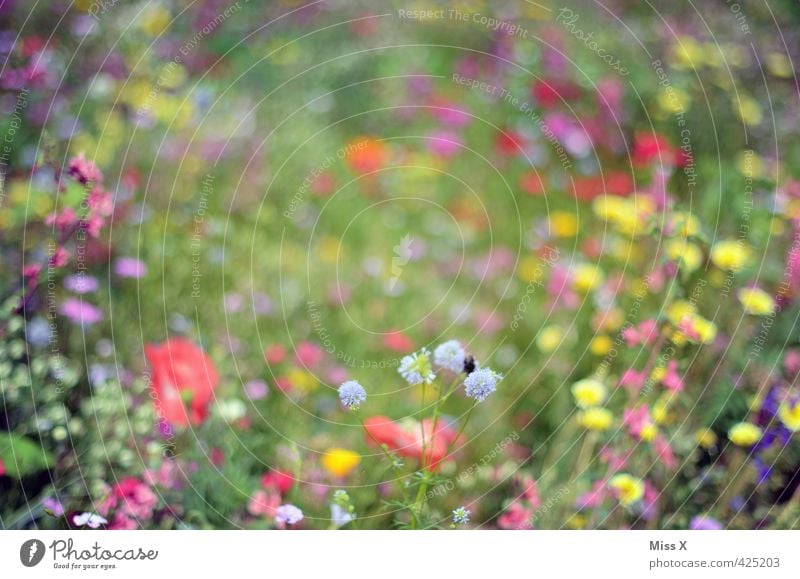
(706, 438)
(688, 254)
(744, 434)
(601, 345)
(595, 419)
(531, 269)
(563, 224)
(549, 337)
(685, 224)
(756, 301)
(789, 413)
(687, 53)
(748, 110)
(589, 392)
(586, 277)
(731, 255)
(779, 65)
(628, 489)
(679, 310)
(661, 412)
(301, 380)
(340, 462)
(648, 432)
(155, 20)
(705, 328)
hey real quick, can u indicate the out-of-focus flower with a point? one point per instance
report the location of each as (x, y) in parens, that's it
(130, 502)
(450, 355)
(52, 505)
(256, 389)
(589, 392)
(183, 381)
(309, 354)
(627, 488)
(731, 254)
(596, 418)
(416, 368)
(91, 520)
(481, 383)
(639, 422)
(130, 267)
(756, 301)
(789, 413)
(366, 154)
(549, 338)
(744, 434)
(516, 517)
(398, 342)
(81, 283)
(461, 516)
(705, 523)
(586, 277)
(288, 515)
(352, 394)
(278, 480)
(706, 438)
(340, 462)
(688, 255)
(406, 438)
(263, 503)
(79, 312)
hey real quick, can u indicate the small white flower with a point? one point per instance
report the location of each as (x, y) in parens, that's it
(450, 355)
(91, 520)
(416, 368)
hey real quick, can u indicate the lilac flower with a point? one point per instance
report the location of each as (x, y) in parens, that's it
(450, 355)
(91, 520)
(130, 267)
(705, 523)
(80, 313)
(54, 506)
(37, 332)
(81, 283)
(256, 389)
(288, 515)
(481, 383)
(352, 394)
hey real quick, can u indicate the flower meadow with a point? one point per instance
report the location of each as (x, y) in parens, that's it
(356, 265)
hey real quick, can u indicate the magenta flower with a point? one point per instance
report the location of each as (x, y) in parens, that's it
(130, 267)
(80, 313)
(81, 284)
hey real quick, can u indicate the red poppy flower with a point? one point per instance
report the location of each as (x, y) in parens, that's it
(406, 439)
(649, 147)
(278, 480)
(183, 381)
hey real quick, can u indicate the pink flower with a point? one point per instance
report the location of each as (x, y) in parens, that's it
(592, 498)
(672, 380)
(516, 517)
(130, 267)
(84, 170)
(80, 313)
(131, 501)
(664, 452)
(637, 420)
(644, 333)
(264, 503)
(632, 380)
(274, 354)
(444, 143)
(309, 355)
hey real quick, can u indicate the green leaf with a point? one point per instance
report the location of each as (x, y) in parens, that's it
(22, 456)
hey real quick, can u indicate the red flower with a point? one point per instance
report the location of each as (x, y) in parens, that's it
(365, 154)
(407, 440)
(649, 147)
(398, 341)
(183, 381)
(549, 94)
(277, 480)
(2, 467)
(509, 143)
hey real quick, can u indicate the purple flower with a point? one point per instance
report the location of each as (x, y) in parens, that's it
(352, 394)
(54, 506)
(705, 523)
(91, 520)
(80, 313)
(81, 284)
(256, 389)
(130, 267)
(288, 515)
